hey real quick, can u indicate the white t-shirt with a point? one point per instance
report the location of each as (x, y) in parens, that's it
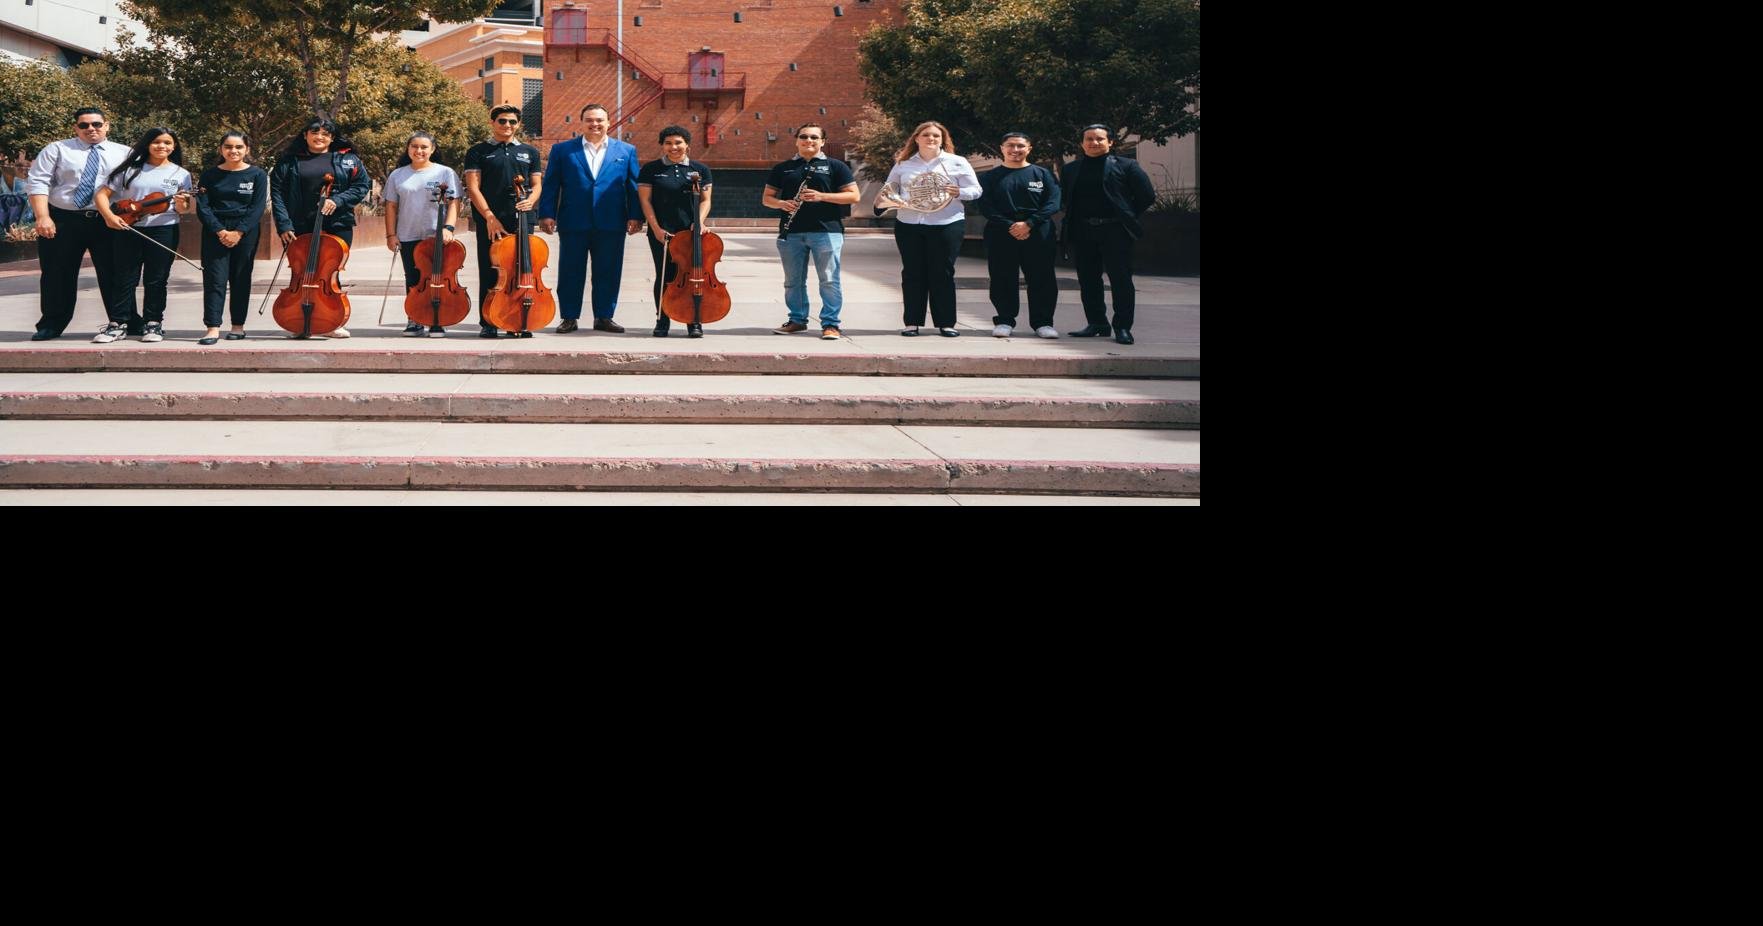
(152, 181)
(414, 193)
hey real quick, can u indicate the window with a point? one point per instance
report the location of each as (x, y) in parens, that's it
(489, 93)
(532, 61)
(532, 107)
(490, 63)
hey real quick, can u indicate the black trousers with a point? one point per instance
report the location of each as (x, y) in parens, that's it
(927, 269)
(657, 251)
(486, 271)
(1005, 257)
(224, 267)
(130, 256)
(1096, 248)
(75, 234)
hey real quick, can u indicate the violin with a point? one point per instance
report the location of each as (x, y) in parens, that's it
(437, 300)
(521, 301)
(314, 302)
(695, 296)
(134, 210)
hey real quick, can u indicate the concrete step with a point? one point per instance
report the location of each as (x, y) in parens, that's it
(548, 353)
(591, 398)
(418, 497)
(399, 455)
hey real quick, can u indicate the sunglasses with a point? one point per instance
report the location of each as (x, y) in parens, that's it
(809, 137)
(507, 121)
(91, 125)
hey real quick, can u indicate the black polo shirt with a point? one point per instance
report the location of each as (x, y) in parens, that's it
(497, 165)
(670, 193)
(825, 174)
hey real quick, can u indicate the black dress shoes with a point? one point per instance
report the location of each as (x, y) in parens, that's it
(1092, 331)
(607, 324)
(566, 326)
(45, 336)
(694, 330)
(1122, 336)
(662, 324)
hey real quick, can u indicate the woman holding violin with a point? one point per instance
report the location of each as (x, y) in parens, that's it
(234, 195)
(412, 210)
(664, 187)
(300, 177)
(143, 190)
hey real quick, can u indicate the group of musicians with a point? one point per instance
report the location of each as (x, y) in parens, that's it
(593, 192)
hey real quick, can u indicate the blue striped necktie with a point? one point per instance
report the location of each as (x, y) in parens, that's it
(82, 196)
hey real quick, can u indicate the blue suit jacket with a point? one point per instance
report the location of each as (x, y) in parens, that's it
(582, 203)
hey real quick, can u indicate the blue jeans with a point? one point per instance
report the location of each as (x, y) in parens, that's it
(825, 246)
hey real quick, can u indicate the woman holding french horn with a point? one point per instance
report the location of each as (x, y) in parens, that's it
(927, 185)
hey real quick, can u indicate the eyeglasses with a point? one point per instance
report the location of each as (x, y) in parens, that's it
(91, 125)
(809, 137)
(507, 121)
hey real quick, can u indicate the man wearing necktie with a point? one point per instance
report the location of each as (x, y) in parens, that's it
(590, 199)
(60, 185)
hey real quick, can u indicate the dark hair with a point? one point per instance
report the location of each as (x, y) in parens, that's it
(1010, 135)
(241, 136)
(404, 159)
(597, 106)
(137, 158)
(298, 147)
(88, 111)
(1098, 125)
(810, 125)
(679, 130)
(504, 108)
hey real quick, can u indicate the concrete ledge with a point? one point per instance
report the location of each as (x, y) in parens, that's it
(598, 473)
(369, 360)
(592, 409)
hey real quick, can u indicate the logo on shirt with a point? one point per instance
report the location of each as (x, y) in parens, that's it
(1036, 185)
(523, 157)
(248, 187)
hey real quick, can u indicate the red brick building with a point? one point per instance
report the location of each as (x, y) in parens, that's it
(739, 74)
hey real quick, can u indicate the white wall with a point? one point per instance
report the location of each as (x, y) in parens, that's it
(70, 23)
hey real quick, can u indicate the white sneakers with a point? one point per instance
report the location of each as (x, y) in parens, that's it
(111, 332)
(1045, 331)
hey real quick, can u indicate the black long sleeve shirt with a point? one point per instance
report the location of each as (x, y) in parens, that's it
(1020, 194)
(234, 199)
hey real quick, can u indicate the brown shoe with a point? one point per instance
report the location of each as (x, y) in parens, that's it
(566, 326)
(829, 333)
(789, 328)
(607, 324)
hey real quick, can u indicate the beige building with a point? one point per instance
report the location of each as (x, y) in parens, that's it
(495, 61)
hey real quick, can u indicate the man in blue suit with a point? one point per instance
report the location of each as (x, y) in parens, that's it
(590, 196)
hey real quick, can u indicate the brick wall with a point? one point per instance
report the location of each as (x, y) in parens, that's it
(771, 36)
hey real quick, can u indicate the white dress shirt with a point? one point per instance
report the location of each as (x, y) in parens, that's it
(58, 168)
(596, 155)
(953, 166)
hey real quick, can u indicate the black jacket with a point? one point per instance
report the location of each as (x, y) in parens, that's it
(294, 205)
(1124, 182)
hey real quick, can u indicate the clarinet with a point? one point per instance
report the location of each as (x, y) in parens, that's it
(785, 233)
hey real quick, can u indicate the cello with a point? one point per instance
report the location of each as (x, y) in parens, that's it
(437, 300)
(521, 301)
(314, 302)
(695, 296)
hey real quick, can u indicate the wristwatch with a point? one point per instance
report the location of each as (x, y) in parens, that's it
(448, 227)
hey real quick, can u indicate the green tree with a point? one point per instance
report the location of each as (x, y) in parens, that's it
(37, 103)
(395, 93)
(1044, 67)
(324, 35)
